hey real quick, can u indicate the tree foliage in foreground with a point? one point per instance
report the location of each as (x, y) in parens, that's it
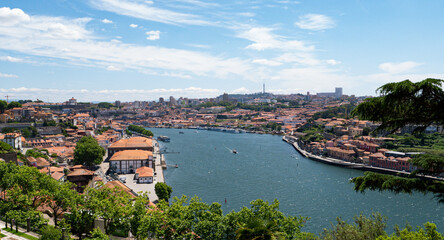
(381, 182)
(400, 104)
(373, 227)
(195, 219)
(405, 103)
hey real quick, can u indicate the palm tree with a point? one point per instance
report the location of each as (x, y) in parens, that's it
(258, 229)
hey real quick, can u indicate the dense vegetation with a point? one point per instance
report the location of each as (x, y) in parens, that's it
(404, 103)
(36, 153)
(106, 105)
(27, 189)
(408, 104)
(140, 130)
(5, 148)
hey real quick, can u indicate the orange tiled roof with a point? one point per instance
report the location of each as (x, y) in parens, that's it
(57, 175)
(115, 183)
(80, 172)
(131, 155)
(145, 172)
(134, 142)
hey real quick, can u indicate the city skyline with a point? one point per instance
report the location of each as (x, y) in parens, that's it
(107, 50)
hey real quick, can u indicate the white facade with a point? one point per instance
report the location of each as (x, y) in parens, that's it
(13, 139)
(145, 179)
(130, 166)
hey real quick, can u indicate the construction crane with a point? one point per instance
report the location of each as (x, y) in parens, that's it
(7, 98)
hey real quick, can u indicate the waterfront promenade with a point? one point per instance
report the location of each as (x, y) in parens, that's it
(341, 163)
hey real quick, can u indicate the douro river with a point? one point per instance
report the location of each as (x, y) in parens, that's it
(266, 167)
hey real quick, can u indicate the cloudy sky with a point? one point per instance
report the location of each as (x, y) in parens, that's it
(106, 50)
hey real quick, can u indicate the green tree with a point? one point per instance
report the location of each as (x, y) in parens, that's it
(81, 218)
(105, 105)
(9, 130)
(3, 106)
(138, 211)
(256, 228)
(112, 205)
(429, 232)
(14, 104)
(399, 104)
(49, 123)
(36, 153)
(88, 152)
(97, 234)
(363, 228)
(163, 191)
(405, 103)
(60, 198)
(5, 148)
(51, 233)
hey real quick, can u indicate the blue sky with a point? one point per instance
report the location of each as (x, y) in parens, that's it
(106, 50)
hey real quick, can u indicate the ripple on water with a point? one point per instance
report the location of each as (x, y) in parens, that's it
(268, 168)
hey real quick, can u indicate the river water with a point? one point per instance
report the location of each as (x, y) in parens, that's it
(268, 168)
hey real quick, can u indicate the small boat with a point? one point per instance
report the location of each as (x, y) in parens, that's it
(163, 138)
(181, 132)
(176, 166)
(234, 151)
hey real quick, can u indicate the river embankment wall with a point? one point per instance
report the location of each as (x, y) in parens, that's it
(341, 163)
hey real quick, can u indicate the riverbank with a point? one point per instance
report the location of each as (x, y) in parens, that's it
(268, 168)
(219, 129)
(341, 163)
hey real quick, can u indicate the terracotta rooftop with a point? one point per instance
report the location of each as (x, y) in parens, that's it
(115, 183)
(131, 155)
(57, 175)
(135, 142)
(80, 172)
(145, 172)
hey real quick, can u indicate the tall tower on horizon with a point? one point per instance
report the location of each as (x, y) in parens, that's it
(263, 89)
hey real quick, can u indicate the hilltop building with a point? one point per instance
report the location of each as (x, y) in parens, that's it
(336, 94)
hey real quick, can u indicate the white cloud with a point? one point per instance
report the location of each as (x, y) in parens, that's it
(60, 95)
(133, 25)
(153, 35)
(401, 67)
(242, 90)
(10, 59)
(67, 39)
(13, 16)
(315, 22)
(300, 58)
(145, 10)
(247, 14)
(267, 62)
(333, 62)
(5, 75)
(106, 21)
(113, 68)
(199, 46)
(263, 39)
